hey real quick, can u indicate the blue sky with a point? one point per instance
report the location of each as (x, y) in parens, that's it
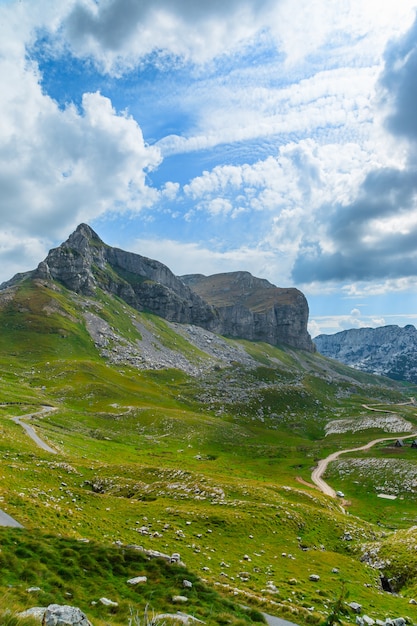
(261, 135)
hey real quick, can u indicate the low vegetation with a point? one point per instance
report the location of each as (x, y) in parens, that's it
(216, 467)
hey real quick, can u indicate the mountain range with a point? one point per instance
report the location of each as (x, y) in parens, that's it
(232, 304)
(387, 350)
(184, 421)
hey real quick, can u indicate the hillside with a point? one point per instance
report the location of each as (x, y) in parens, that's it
(84, 263)
(170, 438)
(387, 350)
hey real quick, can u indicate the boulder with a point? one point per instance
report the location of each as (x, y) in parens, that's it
(137, 580)
(355, 606)
(58, 615)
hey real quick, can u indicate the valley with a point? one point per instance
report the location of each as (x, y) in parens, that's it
(171, 439)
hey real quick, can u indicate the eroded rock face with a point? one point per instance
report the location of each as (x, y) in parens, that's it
(386, 350)
(84, 263)
(235, 304)
(252, 308)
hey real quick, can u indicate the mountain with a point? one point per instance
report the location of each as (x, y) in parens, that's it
(250, 308)
(387, 350)
(255, 309)
(166, 441)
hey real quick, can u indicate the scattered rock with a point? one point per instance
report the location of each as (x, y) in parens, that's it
(108, 602)
(137, 580)
(314, 577)
(187, 584)
(36, 612)
(355, 606)
(177, 617)
(181, 599)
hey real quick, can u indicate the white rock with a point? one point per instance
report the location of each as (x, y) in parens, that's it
(108, 602)
(181, 599)
(137, 580)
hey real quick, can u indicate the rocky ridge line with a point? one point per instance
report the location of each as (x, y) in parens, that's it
(256, 310)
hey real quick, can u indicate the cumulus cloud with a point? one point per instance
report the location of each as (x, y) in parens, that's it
(374, 236)
(59, 166)
(120, 32)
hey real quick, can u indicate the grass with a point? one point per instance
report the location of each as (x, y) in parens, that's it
(205, 466)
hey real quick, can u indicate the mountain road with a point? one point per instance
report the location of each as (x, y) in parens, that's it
(321, 468)
(5, 519)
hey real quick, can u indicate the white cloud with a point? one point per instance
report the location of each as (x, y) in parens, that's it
(118, 33)
(59, 167)
(339, 100)
(194, 258)
(20, 253)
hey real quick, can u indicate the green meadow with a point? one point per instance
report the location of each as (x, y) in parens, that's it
(216, 467)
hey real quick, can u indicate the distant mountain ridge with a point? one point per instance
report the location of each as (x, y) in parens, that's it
(251, 308)
(387, 350)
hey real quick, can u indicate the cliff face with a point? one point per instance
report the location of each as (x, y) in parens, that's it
(84, 263)
(255, 309)
(388, 350)
(235, 304)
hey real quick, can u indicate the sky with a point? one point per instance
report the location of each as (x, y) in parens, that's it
(271, 136)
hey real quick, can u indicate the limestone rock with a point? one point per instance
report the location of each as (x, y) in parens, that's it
(255, 309)
(58, 615)
(314, 577)
(388, 350)
(234, 304)
(108, 602)
(137, 580)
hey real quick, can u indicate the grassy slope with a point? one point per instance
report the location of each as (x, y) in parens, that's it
(205, 467)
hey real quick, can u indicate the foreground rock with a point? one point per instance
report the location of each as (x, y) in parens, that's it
(58, 615)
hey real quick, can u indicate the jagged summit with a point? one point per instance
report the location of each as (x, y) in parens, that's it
(234, 304)
(387, 350)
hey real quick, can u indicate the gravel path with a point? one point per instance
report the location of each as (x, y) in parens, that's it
(318, 471)
(5, 519)
(31, 431)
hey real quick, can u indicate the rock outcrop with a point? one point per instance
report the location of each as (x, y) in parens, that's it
(387, 350)
(255, 309)
(83, 263)
(236, 304)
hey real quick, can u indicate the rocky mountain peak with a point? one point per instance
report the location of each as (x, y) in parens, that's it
(234, 304)
(387, 350)
(83, 237)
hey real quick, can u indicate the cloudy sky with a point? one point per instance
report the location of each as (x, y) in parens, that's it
(272, 136)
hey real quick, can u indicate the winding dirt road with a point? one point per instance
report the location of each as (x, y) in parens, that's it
(318, 471)
(5, 519)
(31, 431)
